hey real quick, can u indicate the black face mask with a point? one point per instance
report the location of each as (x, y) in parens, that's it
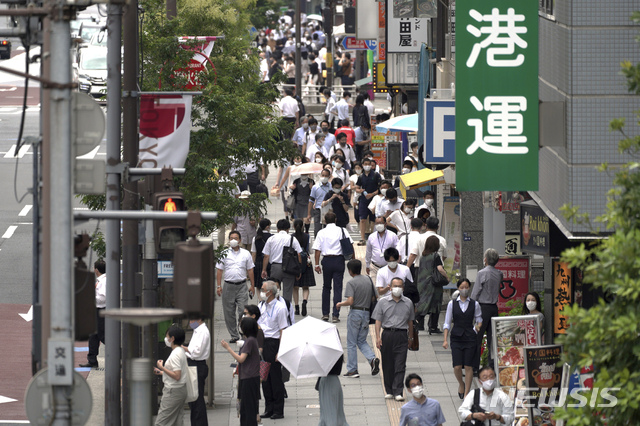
(325, 129)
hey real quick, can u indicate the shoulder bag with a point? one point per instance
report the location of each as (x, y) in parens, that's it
(374, 302)
(346, 246)
(414, 342)
(192, 384)
(264, 369)
(437, 278)
(475, 408)
(290, 263)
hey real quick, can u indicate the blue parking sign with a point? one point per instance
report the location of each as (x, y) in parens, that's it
(440, 131)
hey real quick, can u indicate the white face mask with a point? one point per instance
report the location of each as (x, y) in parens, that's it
(531, 305)
(380, 227)
(233, 243)
(405, 170)
(464, 292)
(488, 385)
(396, 291)
(338, 166)
(383, 191)
(428, 202)
(318, 160)
(336, 190)
(367, 168)
(263, 295)
(167, 342)
(393, 264)
(324, 179)
(417, 392)
(408, 210)
(304, 178)
(297, 163)
(305, 126)
(358, 172)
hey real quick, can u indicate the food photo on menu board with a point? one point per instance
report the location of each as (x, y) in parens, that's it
(511, 336)
(544, 376)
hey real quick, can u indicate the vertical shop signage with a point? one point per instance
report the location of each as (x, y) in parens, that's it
(561, 295)
(515, 280)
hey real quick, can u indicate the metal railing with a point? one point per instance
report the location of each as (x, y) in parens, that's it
(311, 94)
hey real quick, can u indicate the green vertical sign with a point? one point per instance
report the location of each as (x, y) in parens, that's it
(497, 95)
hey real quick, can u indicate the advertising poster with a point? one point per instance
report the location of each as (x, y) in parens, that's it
(516, 271)
(451, 232)
(561, 295)
(544, 375)
(511, 335)
(534, 230)
(379, 143)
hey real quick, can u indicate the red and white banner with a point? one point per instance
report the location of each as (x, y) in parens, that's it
(198, 63)
(165, 126)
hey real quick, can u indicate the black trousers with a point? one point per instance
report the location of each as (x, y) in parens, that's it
(488, 311)
(198, 407)
(95, 339)
(394, 360)
(332, 269)
(273, 387)
(249, 400)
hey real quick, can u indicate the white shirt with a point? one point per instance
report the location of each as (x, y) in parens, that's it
(177, 361)
(349, 153)
(273, 317)
(410, 238)
(299, 134)
(448, 318)
(401, 221)
(264, 70)
(310, 138)
(385, 275)
(289, 107)
(328, 240)
(432, 211)
(386, 205)
(498, 402)
(275, 244)
(341, 109)
(200, 344)
(342, 174)
(375, 200)
(101, 291)
(418, 246)
(377, 244)
(236, 265)
(369, 106)
(313, 148)
(331, 103)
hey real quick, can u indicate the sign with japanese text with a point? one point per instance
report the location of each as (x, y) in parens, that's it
(60, 360)
(561, 295)
(544, 375)
(515, 280)
(440, 131)
(534, 230)
(405, 35)
(351, 43)
(379, 143)
(496, 95)
(382, 34)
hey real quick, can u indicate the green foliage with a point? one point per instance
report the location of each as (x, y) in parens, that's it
(234, 118)
(607, 334)
(265, 13)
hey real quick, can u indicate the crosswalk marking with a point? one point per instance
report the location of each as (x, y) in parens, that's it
(9, 232)
(25, 210)
(12, 151)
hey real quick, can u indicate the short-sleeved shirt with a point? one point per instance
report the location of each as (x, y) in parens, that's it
(318, 193)
(361, 289)
(273, 318)
(274, 246)
(385, 275)
(328, 240)
(369, 183)
(429, 413)
(177, 361)
(394, 314)
(289, 107)
(244, 227)
(251, 366)
(235, 265)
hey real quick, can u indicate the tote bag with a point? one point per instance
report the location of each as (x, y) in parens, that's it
(192, 384)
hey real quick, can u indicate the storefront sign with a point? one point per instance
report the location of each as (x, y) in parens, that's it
(515, 280)
(382, 31)
(440, 131)
(497, 95)
(544, 375)
(561, 295)
(534, 230)
(406, 35)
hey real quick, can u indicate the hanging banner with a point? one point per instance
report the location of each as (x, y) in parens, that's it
(561, 295)
(165, 126)
(382, 34)
(544, 373)
(198, 64)
(451, 232)
(497, 95)
(516, 271)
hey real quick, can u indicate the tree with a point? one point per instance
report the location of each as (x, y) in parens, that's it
(606, 335)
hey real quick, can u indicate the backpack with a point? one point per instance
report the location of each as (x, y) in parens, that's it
(302, 110)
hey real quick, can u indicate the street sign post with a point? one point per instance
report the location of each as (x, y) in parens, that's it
(440, 131)
(351, 43)
(497, 96)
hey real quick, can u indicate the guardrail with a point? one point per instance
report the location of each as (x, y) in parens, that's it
(311, 94)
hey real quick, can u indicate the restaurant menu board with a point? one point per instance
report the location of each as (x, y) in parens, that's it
(544, 374)
(511, 336)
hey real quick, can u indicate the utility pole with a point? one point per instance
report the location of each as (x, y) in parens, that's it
(60, 353)
(298, 56)
(329, 41)
(112, 229)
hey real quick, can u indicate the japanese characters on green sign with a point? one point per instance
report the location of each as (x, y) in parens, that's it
(497, 95)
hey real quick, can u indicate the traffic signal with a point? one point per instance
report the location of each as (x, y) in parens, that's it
(169, 232)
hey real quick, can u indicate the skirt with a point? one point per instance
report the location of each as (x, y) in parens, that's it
(331, 402)
(307, 279)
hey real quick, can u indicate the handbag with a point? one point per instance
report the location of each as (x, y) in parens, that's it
(372, 305)
(290, 261)
(264, 370)
(192, 384)
(437, 279)
(475, 408)
(414, 343)
(346, 246)
(291, 202)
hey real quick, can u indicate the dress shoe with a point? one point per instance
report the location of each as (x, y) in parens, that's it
(266, 415)
(297, 310)
(89, 365)
(304, 308)
(277, 416)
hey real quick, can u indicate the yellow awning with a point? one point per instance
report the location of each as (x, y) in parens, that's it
(419, 179)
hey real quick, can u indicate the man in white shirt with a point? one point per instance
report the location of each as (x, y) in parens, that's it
(368, 103)
(341, 108)
(429, 197)
(391, 271)
(197, 354)
(327, 244)
(497, 404)
(350, 154)
(377, 243)
(235, 268)
(298, 135)
(317, 146)
(99, 268)
(415, 251)
(290, 110)
(264, 68)
(331, 103)
(273, 250)
(408, 240)
(309, 138)
(390, 204)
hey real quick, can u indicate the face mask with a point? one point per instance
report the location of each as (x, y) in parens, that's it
(233, 243)
(324, 179)
(305, 126)
(428, 202)
(304, 178)
(336, 190)
(338, 166)
(396, 291)
(263, 295)
(392, 264)
(380, 227)
(383, 191)
(408, 210)
(297, 163)
(167, 342)
(367, 168)
(194, 325)
(405, 170)
(488, 385)
(325, 130)
(464, 292)
(358, 172)
(417, 392)
(318, 160)
(313, 128)
(342, 143)
(333, 163)
(531, 305)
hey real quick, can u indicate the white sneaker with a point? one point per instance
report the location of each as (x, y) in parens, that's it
(388, 396)
(399, 398)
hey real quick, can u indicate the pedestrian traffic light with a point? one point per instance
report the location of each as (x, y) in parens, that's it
(193, 273)
(169, 232)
